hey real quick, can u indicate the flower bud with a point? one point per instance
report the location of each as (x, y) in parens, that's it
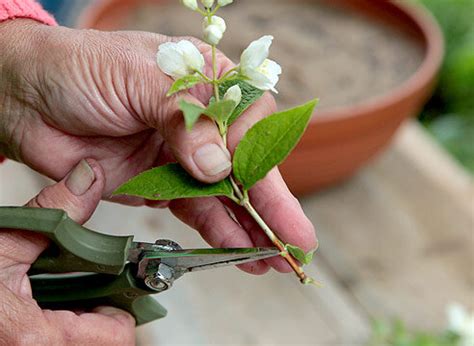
(224, 2)
(207, 3)
(213, 34)
(215, 20)
(191, 4)
(234, 94)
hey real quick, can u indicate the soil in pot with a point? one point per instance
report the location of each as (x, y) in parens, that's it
(325, 52)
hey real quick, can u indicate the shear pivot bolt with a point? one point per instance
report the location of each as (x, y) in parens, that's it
(156, 284)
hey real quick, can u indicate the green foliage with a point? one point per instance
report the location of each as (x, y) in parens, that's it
(456, 133)
(396, 334)
(269, 142)
(450, 113)
(191, 113)
(250, 94)
(299, 254)
(171, 182)
(220, 110)
(184, 84)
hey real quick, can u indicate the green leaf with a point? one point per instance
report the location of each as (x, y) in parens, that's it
(184, 83)
(191, 113)
(299, 254)
(171, 182)
(250, 94)
(220, 110)
(269, 142)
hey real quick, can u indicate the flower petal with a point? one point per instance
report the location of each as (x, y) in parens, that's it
(256, 53)
(272, 70)
(224, 2)
(266, 76)
(191, 4)
(170, 60)
(215, 20)
(213, 34)
(191, 56)
(234, 93)
(259, 80)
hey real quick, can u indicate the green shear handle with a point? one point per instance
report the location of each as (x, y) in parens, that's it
(74, 248)
(110, 280)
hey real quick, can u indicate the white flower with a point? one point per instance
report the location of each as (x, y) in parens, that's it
(261, 72)
(179, 59)
(224, 2)
(191, 4)
(213, 29)
(215, 20)
(207, 3)
(213, 34)
(461, 322)
(233, 94)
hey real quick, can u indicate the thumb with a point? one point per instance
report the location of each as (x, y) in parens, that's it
(78, 194)
(201, 151)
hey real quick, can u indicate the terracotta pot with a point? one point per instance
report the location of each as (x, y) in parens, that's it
(339, 140)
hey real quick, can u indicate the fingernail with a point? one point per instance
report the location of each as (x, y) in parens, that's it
(81, 178)
(211, 159)
(109, 311)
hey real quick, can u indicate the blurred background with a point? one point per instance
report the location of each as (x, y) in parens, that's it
(396, 227)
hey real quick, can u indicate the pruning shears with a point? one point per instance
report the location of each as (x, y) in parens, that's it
(82, 268)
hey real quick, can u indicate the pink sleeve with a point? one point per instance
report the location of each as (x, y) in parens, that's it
(10, 9)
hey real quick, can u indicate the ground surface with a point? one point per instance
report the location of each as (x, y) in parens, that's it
(396, 240)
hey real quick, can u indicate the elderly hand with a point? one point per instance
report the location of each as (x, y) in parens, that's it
(69, 94)
(22, 322)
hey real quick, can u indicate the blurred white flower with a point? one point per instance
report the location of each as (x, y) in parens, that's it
(191, 4)
(215, 20)
(261, 72)
(213, 29)
(179, 59)
(224, 2)
(461, 322)
(207, 3)
(233, 94)
(213, 34)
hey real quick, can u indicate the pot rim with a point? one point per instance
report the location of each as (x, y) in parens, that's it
(423, 76)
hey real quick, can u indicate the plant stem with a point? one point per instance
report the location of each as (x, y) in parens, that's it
(277, 242)
(206, 78)
(215, 82)
(227, 74)
(215, 10)
(237, 190)
(241, 197)
(214, 74)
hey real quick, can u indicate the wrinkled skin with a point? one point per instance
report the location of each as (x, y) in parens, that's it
(70, 94)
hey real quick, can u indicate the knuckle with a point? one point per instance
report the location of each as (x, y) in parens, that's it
(51, 196)
(204, 220)
(229, 239)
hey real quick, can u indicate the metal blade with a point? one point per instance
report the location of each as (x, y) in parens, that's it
(201, 259)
